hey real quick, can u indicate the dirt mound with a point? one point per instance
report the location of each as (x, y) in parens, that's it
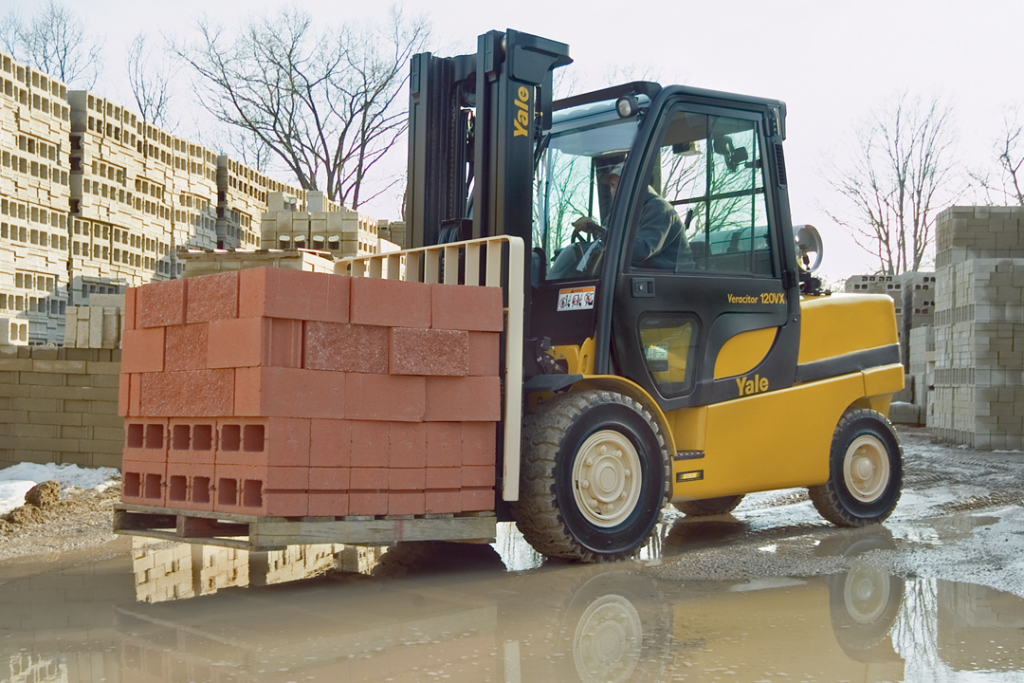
(43, 495)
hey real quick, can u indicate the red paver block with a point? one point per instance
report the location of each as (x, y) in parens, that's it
(414, 351)
(476, 500)
(330, 479)
(186, 347)
(190, 486)
(368, 503)
(369, 479)
(328, 503)
(479, 443)
(129, 308)
(407, 479)
(124, 394)
(144, 483)
(439, 502)
(406, 503)
(444, 478)
(160, 304)
(460, 307)
(384, 397)
(484, 354)
(281, 293)
(370, 445)
(145, 440)
(249, 342)
(463, 399)
(247, 497)
(389, 303)
(444, 444)
(263, 442)
(212, 297)
(407, 445)
(289, 392)
(345, 347)
(270, 478)
(330, 443)
(143, 350)
(192, 441)
(190, 393)
(135, 394)
(475, 476)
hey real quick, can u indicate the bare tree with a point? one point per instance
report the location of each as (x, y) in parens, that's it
(329, 104)
(149, 77)
(1009, 151)
(54, 40)
(900, 174)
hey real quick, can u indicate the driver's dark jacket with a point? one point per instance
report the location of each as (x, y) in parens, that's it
(660, 235)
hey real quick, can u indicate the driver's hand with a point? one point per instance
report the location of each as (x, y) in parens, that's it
(587, 224)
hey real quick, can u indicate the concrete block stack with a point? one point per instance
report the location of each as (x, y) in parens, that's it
(922, 368)
(274, 392)
(322, 225)
(209, 262)
(96, 326)
(243, 197)
(979, 328)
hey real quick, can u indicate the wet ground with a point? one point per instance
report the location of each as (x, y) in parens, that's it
(769, 593)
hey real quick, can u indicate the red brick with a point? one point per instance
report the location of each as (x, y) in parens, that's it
(407, 480)
(212, 297)
(345, 348)
(272, 478)
(186, 347)
(406, 503)
(248, 497)
(328, 503)
(191, 393)
(330, 443)
(159, 304)
(248, 342)
(135, 394)
(263, 442)
(190, 486)
(370, 444)
(289, 392)
(407, 445)
(459, 307)
(439, 502)
(143, 350)
(330, 479)
(444, 444)
(474, 476)
(414, 351)
(389, 303)
(484, 354)
(298, 295)
(144, 483)
(369, 479)
(384, 397)
(465, 399)
(145, 440)
(479, 443)
(367, 503)
(129, 308)
(444, 478)
(192, 441)
(475, 500)
(123, 394)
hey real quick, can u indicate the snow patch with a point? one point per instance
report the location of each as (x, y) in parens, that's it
(15, 481)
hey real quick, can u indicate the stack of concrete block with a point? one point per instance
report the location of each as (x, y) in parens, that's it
(392, 232)
(209, 262)
(323, 226)
(275, 392)
(96, 326)
(922, 367)
(979, 328)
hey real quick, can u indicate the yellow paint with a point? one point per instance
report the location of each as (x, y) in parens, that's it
(742, 353)
(636, 392)
(578, 359)
(844, 323)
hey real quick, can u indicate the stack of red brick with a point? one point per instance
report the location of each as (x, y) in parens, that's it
(275, 392)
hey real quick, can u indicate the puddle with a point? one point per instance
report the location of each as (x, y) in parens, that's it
(445, 612)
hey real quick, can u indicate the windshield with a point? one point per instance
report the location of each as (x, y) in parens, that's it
(585, 142)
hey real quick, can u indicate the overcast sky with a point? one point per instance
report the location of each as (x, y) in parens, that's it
(831, 62)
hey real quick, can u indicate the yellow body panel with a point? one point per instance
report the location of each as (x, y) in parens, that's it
(742, 353)
(843, 323)
(578, 359)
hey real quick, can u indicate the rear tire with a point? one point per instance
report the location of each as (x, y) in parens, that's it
(594, 476)
(708, 506)
(865, 471)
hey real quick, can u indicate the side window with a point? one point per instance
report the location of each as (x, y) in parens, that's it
(710, 171)
(669, 341)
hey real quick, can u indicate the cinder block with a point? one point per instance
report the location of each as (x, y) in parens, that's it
(247, 497)
(444, 478)
(330, 444)
(123, 394)
(459, 307)
(370, 445)
(479, 443)
(385, 397)
(345, 347)
(484, 354)
(389, 303)
(414, 351)
(212, 297)
(369, 478)
(144, 483)
(192, 393)
(330, 479)
(145, 440)
(407, 479)
(159, 304)
(280, 293)
(270, 478)
(407, 445)
(444, 444)
(440, 502)
(192, 441)
(134, 396)
(476, 500)
(248, 342)
(263, 442)
(406, 503)
(186, 347)
(465, 399)
(475, 476)
(290, 392)
(143, 350)
(190, 486)
(368, 503)
(328, 504)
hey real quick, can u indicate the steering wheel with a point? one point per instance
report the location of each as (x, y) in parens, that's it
(587, 232)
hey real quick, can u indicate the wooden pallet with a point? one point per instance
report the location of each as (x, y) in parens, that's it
(276, 533)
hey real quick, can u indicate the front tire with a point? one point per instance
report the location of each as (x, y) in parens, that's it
(594, 476)
(865, 471)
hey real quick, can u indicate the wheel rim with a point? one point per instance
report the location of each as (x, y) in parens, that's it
(866, 468)
(606, 478)
(606, 645)
(866, 594)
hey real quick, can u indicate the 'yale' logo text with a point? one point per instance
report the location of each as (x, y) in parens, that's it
(750, 386)
(522, 119)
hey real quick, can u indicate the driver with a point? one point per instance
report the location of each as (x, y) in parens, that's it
(660, 235)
